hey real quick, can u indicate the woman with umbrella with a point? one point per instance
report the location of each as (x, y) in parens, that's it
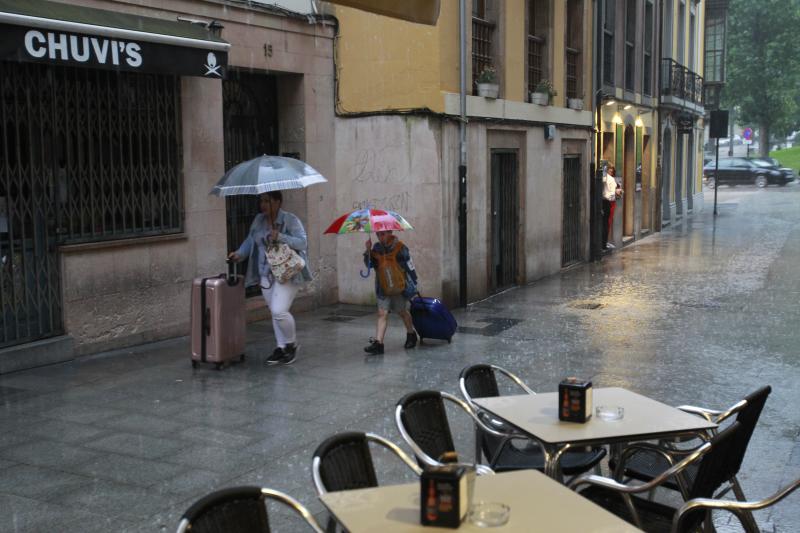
(266, 176)
(273, 224)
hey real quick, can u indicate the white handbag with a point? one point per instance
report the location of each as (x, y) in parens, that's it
(283, 261)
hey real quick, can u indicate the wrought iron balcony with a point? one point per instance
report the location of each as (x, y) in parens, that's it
(678, 82)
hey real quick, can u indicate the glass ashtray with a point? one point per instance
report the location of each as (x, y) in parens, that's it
(489, 514)
(609, 412)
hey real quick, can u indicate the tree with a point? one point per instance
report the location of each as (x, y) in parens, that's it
(763, 65)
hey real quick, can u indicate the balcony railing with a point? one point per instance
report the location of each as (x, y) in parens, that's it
(481, 46)
(680, 82)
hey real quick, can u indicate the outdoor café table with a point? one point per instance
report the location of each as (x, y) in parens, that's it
(644, 419)
(537, 503)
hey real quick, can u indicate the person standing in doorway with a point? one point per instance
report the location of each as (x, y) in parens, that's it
(611, 191)
(395, 285)
(275, 224)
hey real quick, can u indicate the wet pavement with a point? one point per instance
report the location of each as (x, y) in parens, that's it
(702, 313)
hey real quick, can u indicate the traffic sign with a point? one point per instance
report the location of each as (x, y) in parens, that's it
(748, 134)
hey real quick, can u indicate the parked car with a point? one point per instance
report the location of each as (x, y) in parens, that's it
(787, 172)
(742, 171)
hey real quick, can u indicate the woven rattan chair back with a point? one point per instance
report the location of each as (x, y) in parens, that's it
(346, 462)
(480, 381)
(714, 469)
(232, 510)
(747, 418)
(425, 419)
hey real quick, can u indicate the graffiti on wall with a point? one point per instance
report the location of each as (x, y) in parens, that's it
(367, 169)
(395, 202)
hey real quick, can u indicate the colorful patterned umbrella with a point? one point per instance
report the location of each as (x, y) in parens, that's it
(367, 221)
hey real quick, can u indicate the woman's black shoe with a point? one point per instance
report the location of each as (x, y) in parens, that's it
(374, 348)
(411, 340)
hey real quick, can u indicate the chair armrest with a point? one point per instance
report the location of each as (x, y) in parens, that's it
(295, 505)
(634, 489)
(713, 415)
(735, 507)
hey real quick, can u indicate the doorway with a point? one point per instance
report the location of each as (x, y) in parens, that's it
(679, 175)
(629, 180)
(504, 218)
(571, 211)
(250, 125)
(666, 175)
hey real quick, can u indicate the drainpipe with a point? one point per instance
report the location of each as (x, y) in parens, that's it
(659, 214)
(462, 162)
(596, 173)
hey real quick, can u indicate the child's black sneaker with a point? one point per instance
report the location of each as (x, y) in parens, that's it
(374, 348)
(290, 351)
(411, 340)
(276, 357)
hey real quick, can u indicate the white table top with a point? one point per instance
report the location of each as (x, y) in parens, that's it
(644, 418)
(537, 503)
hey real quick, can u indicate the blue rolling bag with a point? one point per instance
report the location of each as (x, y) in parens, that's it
(432, 319)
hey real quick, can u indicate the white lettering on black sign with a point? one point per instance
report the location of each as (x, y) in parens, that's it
(80, 49)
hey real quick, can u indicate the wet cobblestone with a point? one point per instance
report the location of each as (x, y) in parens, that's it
(702, 313)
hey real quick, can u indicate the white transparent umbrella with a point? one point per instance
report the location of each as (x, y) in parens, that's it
(267, 173)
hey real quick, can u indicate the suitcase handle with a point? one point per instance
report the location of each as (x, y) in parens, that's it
(233, 276)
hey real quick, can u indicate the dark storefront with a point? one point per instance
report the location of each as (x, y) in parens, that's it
(90, 142)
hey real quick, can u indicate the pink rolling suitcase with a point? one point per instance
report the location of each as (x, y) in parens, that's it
(218, 318)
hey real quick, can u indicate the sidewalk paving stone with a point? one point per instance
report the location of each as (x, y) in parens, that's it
(702, 313)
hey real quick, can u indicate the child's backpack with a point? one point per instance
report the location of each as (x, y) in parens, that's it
(391, 276)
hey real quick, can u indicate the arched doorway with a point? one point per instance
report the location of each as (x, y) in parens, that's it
(629, 181)
(666, 175)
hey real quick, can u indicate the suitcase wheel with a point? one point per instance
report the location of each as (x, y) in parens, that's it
(218, 366)
(448, 340)
(421, 340)
(241, 357)
(194, 364)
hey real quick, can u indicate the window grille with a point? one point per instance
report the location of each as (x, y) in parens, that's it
(538, 29)
(573, 67)
(630, 44)
(481, 47)
(535, 61)
(609, 22)
(112, 142)
(574, 35)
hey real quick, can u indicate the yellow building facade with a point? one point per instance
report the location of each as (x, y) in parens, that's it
(528, 165)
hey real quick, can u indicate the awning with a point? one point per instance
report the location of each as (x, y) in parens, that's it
(420, 11)
(51, 32)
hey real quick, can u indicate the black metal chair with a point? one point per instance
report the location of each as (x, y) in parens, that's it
(654, 517)
(645, 461)
(239, 510)
(502, 453)
(422, 421)
(742, 510)
(344, 462)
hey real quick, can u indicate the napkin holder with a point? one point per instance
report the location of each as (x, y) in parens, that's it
(445, 495)
(574, 400)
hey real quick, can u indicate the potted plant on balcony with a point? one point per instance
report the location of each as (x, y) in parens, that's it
(575, 103)
(487, 83)
(543, 92)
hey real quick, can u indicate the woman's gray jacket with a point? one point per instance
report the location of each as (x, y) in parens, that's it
(290, 231)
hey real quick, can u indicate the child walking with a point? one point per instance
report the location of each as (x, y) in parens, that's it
(395, 285)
